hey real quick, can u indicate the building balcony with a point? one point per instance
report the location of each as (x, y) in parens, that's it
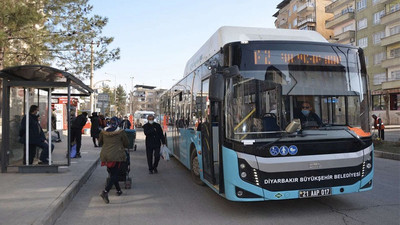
(339, 19)
(350, 34)
(307, 7)
(392, 39)
(390, 62)
(386, 1)
(391, 84)
(335, 5)
(308, 21)
(390, 17)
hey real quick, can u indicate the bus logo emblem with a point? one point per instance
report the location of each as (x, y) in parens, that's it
(293, 150)
(274, 150)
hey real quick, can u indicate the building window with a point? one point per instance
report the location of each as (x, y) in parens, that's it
(374, 2)
(395, 7)
(290, 26)
(377, 16)
(394, 75)
(295, 22)
(378, 102)
(361, 5)
(363, 42)
(395, 101)
(362, 24)
(290, 13)
(378, 58)
(395, 53)
(394, 30)
(294, 8)
(377, 37)
(348, 27)
(379, 78)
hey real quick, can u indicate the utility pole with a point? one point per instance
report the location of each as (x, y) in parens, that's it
(91, 75)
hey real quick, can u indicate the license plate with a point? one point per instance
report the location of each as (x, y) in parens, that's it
(315, 193)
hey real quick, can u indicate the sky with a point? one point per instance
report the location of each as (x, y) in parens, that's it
(158, 37)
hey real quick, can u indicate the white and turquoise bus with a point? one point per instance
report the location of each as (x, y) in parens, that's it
(238, 119)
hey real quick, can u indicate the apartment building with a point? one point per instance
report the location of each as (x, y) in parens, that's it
(342, 22)
(390, 87)
(303, 15)
(145, 98)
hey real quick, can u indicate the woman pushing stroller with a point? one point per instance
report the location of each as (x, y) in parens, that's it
(113, 141)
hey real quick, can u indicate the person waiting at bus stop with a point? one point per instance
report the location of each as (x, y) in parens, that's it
(154, 138)
(36, 136)
(378, 124)
(113, 141)
(76, 132)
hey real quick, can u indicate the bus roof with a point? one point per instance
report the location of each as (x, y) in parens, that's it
(228, 34)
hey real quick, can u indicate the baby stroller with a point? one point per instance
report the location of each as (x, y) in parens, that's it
(124, 174)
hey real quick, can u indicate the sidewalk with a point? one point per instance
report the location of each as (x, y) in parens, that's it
(41, 198)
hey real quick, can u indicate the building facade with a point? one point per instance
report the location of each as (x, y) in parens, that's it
(145, 98)
(303, 15)
(342, 22)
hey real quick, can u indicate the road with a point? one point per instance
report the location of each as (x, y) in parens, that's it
(392, 134)
(171, 197)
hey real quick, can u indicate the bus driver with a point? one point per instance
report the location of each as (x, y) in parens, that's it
(307, 117)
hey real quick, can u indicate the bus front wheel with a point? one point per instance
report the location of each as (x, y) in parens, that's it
(195, 168)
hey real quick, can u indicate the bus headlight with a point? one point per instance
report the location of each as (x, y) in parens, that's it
(367, 165)
(247, 173)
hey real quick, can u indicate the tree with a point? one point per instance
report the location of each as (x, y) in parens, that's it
(21, 33)
(121, 100)
(60, 32)
(77, 37)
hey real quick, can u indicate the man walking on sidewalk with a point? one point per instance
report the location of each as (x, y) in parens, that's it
(76, 132)
(154, 138)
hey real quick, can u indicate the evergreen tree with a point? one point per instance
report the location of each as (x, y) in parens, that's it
(121, 100)
(60, 32)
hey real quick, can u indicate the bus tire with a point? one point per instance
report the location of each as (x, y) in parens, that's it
(195, 168)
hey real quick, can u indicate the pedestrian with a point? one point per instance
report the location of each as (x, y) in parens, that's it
(154, 138)
(76, 132)
(114, 141)
(36, 137)
(54, 125)
(378, 124)
(125, 124)
(95, 128)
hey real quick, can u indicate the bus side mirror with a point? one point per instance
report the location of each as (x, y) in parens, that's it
(293, 126)
(216, 89)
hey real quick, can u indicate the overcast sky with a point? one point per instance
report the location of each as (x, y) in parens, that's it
(157, 37)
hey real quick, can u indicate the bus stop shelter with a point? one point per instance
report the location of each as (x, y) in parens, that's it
(23, 86)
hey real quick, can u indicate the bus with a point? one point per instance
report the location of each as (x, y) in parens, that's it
(140, 117)
(271, 114)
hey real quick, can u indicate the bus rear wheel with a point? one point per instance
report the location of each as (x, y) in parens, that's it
(195, 168)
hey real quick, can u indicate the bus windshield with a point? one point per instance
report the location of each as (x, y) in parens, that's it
(323, 90)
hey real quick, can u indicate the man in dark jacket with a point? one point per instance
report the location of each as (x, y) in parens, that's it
(125, 124)
(154, 138)
(95, 128)
(36, 136)
(76, 132)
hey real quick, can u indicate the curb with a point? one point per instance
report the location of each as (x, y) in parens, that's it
(387, 155)
(57, 207)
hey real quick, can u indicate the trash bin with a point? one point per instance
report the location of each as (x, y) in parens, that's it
(131, 133)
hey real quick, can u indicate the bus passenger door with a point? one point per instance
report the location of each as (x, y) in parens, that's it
(210, 138)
